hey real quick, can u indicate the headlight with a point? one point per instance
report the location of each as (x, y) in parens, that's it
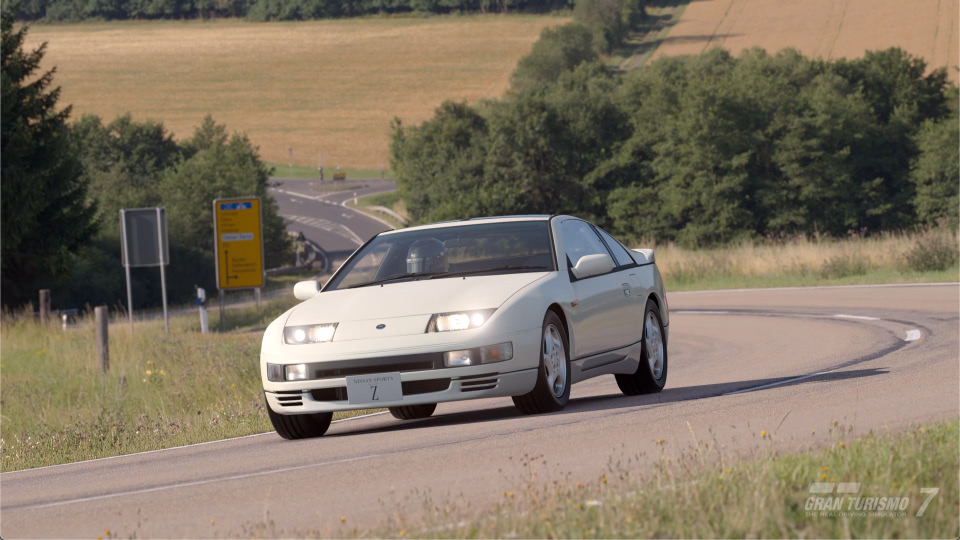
(460, 320)
(313, 333)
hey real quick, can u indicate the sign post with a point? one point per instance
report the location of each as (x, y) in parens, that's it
(238, 234)
(143, 233)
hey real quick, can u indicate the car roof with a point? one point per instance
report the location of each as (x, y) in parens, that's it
(474, 221)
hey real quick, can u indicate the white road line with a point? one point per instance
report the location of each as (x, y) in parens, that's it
(884, 285)
(778, 383)
(858, 317)
(695, 312)
(179, 447)
(912, 335)
(193, 483)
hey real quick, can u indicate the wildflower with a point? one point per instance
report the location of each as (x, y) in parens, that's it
(213, 520)
(823, 476)
(659, 441)
(580, 506)
(233, 385)
(729, 470)
(148, 373)
(894, 485)
(593, 502)
(833, 479)
(106, 532)
(603, 479)
(41, 351)
(719, 486)
(162, 372)
(763, 433)
(578, 484)
(629, 519)
(813, 432)
(343, 518)
(503, 493)
(510, 494)
(842, 444)
(825, 469)
(693, 454)
(402, 532)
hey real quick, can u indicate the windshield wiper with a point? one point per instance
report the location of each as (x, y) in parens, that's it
(391, 278)
(485, 270)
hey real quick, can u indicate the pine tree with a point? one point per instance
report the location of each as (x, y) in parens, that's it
(45, 213)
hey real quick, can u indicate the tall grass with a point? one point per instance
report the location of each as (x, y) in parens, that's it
(160, 390)
(928, 255)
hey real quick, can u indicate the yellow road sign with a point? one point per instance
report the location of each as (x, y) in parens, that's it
(239, 236)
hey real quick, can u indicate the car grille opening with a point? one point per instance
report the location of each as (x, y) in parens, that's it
(370, 370)
(411, 388)
(474, 383)
(338, 393)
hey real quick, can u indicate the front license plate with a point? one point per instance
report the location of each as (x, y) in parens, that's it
(383, 387)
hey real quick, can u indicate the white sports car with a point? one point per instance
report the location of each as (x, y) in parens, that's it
(520, 306)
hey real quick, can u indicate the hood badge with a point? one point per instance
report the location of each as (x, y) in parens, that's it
(381, 326)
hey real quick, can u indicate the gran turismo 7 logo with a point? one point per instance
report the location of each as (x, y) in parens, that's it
(843, 499)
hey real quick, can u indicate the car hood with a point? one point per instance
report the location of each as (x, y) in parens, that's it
(408, 305)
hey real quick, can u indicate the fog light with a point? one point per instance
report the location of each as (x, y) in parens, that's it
(296, 372)
(275, 372)
(500, 352)
(458, 358)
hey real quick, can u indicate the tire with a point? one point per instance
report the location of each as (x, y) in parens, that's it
(299, 426)
(413, 412)
(549, 395)
(651, 376)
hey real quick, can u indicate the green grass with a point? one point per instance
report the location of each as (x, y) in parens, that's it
(389, 200)
(703, 492)
(160, 391)
(284, 170)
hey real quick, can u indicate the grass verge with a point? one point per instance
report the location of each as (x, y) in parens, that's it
(389, 200)
(285, 170)
(927, 256)
(160, 391)
(699, 492)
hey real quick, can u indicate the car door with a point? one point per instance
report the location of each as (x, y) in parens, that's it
(602, 318)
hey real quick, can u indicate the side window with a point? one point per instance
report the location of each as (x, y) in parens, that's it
(579, 239)
(619, 252)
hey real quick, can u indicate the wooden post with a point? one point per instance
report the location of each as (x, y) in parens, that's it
(101, 320)
(44, 306)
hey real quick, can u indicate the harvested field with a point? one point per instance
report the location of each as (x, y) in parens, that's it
(821, 28)
(318, 86)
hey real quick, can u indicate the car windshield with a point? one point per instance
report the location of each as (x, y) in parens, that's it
(483, 248)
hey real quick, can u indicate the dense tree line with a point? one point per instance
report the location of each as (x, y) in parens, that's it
(701, 150)
(64, 184)
(265, 10)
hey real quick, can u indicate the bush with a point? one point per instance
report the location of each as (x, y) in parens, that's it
(935, 250)
(844, 265)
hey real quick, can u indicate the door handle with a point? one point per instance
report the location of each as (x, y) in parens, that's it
(626, 289)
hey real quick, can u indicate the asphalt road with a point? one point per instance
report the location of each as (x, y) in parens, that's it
(322, 216)
(787, 361)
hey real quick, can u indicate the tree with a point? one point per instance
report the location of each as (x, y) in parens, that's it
(557, 51)
(936, 171)
(46, 216)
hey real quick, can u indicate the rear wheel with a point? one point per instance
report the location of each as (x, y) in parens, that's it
(552, 391)
(651, 374)
(299, 426)
(413, 412)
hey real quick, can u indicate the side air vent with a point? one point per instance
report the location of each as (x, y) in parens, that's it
(474, 383)
(290, 398)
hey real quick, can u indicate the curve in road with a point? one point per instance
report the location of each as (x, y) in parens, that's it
(787, 361)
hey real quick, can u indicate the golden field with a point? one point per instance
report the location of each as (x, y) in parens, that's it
(327, 86)
(821, 28)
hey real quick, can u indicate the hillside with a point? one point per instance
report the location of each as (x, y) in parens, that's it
(321, 86)
(824, 28)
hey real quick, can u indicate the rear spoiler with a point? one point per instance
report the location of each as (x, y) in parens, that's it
(644, 256)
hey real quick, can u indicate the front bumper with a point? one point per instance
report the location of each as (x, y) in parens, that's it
(423, 379)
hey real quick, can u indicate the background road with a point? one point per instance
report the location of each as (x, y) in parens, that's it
(787, 361)
(322, 216)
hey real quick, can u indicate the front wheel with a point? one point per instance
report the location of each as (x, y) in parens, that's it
(299, 426)
(413, 412)
(651, 374)
(552, 391)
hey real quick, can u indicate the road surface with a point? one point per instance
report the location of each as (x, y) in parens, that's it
(322, 216)
(787, 361)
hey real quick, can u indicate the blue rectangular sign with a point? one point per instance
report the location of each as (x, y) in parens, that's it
(236, 205)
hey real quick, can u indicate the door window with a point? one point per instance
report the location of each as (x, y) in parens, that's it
(579, 239)
(619, 252)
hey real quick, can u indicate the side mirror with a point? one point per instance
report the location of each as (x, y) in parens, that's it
(646, 256)
(306, 290)
(593, 265)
